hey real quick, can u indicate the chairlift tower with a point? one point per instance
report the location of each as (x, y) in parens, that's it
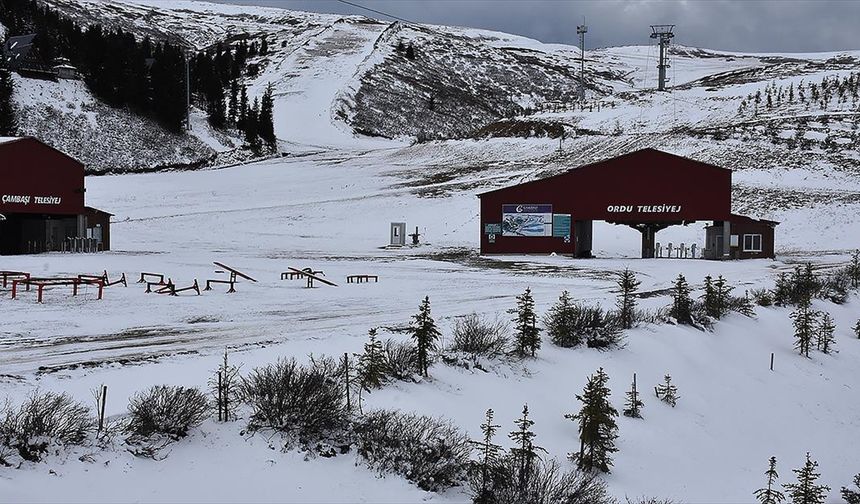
(581, 31)
(663, 33)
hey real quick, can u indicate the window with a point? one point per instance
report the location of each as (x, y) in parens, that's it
(752, 243)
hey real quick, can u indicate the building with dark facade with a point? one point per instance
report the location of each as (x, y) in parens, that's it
(42, 201)
(648, 190)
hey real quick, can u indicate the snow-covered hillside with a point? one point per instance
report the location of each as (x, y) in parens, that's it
(331, 213)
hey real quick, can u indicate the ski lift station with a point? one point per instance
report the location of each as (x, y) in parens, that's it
(648, 190)
(42, 202)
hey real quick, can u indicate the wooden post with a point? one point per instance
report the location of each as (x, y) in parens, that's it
(346, 375)
(102, 401)
(771, 361)
(220, 398)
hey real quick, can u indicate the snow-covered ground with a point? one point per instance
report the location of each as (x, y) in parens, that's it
(331, 212)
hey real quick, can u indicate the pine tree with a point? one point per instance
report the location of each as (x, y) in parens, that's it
(824, 333)
(252, 127)
(803, 318)
(489, 453)
(633, 406)
(667, 392)
(372, 364)
(525, 325)
(524, 452)
(242, 115)
(769, 494)
(266, 119)
(410, 52)
(682, 305)
(558, 322)
(626, 302)
(425, 334)
(709, 297)
(264, 47)
(853, 269)
(597, 428)
(805, 491)
(8, 118)
(857, 329)
(722, 294)
(233, 103)
(851, 496)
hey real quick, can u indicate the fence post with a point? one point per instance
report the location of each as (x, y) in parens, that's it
(771, 361)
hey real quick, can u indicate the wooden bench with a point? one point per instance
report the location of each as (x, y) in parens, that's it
(361, 278)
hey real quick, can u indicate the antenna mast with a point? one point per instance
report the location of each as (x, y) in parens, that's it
(581, 30)
(663, 33)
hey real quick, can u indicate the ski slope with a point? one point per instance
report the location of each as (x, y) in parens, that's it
(332, 213)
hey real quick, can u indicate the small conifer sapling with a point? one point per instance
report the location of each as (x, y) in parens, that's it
(667, 391)
(769, 494)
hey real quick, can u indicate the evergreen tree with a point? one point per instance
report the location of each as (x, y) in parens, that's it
(709, 298)
(525, 325)
(410, 52)
(682, 305)
(824, 333)
(806, 491)
(525, 452)
(626, 302)
(489, 453)
(252, 127)
(242, 113)
(266, 119)
(804, 325)
(633, 405)
(597, 428)
(667, 391)
(8, 118)
(425, 334)
(857, 329)
(233, 103)
(722, 293)
(769, 494)
(851, 496)
(559, 323)
(264, 47)
(372, 363)
(853, 269)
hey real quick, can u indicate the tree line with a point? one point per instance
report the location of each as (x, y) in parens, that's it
(147, 76)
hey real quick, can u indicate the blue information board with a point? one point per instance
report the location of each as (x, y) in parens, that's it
(561, 225)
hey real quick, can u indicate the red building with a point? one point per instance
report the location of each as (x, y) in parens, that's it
(647, 190)
(42, 201)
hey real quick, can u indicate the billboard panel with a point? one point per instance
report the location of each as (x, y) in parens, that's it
(526, 220)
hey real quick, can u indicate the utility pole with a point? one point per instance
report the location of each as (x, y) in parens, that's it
(663, 33)
(581, 30)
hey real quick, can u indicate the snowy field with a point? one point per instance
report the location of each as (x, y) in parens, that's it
(331, 212)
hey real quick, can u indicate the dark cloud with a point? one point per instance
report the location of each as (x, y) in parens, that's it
(737, 25)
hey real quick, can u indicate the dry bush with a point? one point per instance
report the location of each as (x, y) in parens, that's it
(402, 359)
(43, 419)
(547, 483)
(430, 452)
(166, 410)
(480, 337)
(307, 401)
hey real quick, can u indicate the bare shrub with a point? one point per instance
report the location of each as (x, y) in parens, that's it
(762, 297)
(479, 336)
(166, 410)
(547, 483)
(308, 401)
(648, 500)
(44, 418)
(577, 323)
(431, 452)
(402, 358)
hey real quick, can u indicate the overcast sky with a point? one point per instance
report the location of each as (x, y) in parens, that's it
(742, 25)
